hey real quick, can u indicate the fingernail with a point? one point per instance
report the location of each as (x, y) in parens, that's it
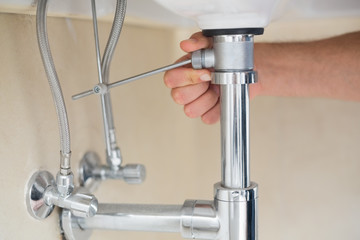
(205, 77)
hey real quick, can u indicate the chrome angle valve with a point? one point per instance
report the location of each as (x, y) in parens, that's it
(45, 192)
(91, 172)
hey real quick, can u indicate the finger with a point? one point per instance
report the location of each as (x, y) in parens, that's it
(195, 42)
(213, 115)
(183, 58)
(187, 94)
(202, 104)
(182, 76)
(255, 89)
(216, 88)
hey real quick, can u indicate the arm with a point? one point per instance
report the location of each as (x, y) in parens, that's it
(325, 68)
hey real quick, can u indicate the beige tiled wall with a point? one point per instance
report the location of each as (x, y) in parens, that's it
(305, 153)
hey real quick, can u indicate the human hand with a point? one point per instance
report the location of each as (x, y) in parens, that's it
(284, 69)
(192, 88)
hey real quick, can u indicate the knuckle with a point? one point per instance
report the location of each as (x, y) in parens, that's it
(196, 35)
(188, 112)
(167, 80)
(205, 120)
(177, 96)
(208, 119)
(193, 76)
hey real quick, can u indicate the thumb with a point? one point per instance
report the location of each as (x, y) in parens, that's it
(195, 42)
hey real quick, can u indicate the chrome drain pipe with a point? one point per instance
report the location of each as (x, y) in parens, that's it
(232, 215)
(235, 196)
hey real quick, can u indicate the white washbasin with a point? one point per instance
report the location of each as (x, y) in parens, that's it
(208, 14)
(215, 14)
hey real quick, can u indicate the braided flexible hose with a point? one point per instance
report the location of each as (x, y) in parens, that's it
(113, 38)
(108, 54)
(52, 77)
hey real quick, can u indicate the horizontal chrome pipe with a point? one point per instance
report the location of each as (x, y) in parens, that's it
(194, 219)
(135, 217)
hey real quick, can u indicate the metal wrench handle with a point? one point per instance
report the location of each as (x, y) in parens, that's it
(97, 89)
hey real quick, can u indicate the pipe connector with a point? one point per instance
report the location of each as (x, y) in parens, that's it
(65, 167)
(203, 58)
(237, 210)
(100, 89)
(199, 220)
(65, 184)
(113, 158)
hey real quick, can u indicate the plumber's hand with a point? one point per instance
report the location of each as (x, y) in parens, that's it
(192, 88)
(281, 73)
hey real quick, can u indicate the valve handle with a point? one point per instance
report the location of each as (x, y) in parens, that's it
(134, 173)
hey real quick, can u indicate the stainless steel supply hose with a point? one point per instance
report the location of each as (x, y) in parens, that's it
(54, 84)
(113, 38)
(109, 52)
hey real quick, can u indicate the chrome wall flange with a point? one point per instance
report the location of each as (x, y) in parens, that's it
(35, 196)
(88, 164)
